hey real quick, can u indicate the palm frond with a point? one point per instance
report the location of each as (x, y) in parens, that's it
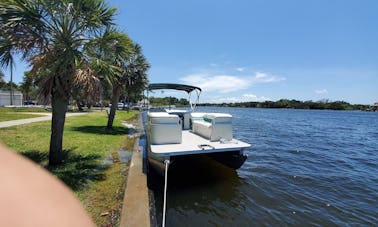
(22, 26)
(87, 81)
(6, 53)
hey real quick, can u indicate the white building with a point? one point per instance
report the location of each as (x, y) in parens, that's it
(5, 98)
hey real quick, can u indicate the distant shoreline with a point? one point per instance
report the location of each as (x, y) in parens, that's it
(295, 104)
(280, 104)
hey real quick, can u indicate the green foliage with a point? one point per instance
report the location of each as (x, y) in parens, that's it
(7, 86)
(2, 81)
(168, 101)
(294, 104)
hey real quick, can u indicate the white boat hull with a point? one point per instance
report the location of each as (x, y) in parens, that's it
(230, 153)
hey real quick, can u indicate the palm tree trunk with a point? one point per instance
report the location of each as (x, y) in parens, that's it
(59, 109)
(78, 104)
(115, 98)
(11, 84)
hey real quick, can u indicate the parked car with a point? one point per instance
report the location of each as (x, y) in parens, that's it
(122, 106)
(29, 102)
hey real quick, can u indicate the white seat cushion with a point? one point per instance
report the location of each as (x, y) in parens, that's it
(164, 128)
(214, 126)
(202, 128)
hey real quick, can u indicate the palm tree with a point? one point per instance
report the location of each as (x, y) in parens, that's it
(50, 35)
(108, 56)
(7, 61)
(87, 86)
(132, 77)
(136, 80)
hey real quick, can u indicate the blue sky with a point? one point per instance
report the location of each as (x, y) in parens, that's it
(248, 50)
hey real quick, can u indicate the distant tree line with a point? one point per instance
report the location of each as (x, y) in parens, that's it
(294, 104)
(166, 101)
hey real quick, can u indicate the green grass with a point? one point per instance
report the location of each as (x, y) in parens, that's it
(22, 109)
(8, 116)
(103, 199)
(86, 143)
(16, 113)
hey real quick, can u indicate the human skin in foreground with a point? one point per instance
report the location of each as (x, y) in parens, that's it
(30, 196)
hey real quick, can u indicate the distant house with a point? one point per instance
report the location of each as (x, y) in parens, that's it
(5, 98)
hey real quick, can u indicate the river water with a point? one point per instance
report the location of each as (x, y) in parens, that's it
(305, 168)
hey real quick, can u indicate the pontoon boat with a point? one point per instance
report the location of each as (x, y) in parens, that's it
(173, 134)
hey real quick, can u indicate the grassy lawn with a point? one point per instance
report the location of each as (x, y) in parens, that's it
(10, 114)
(87, 143)
(22, 109)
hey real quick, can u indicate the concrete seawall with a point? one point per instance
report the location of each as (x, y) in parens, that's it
(136, 206)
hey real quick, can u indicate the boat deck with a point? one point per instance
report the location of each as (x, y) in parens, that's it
(195, 144)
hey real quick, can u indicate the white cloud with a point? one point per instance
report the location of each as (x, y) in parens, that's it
(321, 91)
(254, 98)
(228, 83)
(223, 100)
(240, 69)
(249, 96)
(220, 83)
(243, 98)
(261, 77)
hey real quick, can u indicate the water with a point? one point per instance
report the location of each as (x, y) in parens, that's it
(305, 168)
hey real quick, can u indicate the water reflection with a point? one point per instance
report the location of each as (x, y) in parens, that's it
(202, 191)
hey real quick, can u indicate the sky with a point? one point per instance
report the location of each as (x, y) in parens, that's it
(258, 50)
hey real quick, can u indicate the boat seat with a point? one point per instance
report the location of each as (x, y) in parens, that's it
(214, 126)
(195, 116)
(164, 128)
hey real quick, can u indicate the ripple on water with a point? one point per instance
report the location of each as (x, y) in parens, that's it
(305, 168)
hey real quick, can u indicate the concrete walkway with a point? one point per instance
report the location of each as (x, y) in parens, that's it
(5, 124)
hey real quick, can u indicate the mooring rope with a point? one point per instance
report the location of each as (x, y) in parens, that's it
(165, 190)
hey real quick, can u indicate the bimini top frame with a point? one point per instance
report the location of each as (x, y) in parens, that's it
(181, 87)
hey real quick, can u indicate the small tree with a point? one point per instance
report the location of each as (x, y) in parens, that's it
(28, 86)
(2, 82)
(136, 80)
(7, 61)
(50, 35)
(110, 54)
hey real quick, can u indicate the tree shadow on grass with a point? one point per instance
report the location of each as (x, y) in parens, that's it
(102, 130)
(76, 171)
(36, 156)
